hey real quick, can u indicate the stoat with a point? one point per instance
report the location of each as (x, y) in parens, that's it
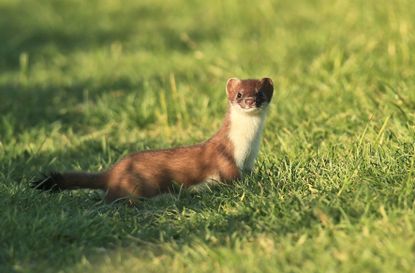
(223, 157)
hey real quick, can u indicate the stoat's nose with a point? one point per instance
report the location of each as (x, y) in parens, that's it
(250, 101)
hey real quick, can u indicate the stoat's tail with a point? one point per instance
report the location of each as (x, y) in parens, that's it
(69, 181)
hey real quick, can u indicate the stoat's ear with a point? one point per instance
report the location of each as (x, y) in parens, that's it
(268, 87)
(267, 82)
(230, 86)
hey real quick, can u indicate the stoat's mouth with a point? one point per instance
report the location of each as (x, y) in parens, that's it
(252, 109)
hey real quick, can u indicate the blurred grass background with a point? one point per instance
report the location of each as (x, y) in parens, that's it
(82, 83)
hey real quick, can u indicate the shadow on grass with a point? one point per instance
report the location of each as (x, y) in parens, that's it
(43, 30)
(51, 27)
(25, 108)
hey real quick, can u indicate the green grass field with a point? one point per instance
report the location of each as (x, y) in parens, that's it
(83, 83)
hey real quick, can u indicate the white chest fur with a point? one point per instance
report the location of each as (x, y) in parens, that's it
(245, 134)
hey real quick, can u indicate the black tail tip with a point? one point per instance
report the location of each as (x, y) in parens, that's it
(50, 182)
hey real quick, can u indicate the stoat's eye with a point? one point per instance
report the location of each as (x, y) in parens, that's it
(239, 95)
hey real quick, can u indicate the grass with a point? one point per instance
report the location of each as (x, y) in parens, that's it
(83, 83)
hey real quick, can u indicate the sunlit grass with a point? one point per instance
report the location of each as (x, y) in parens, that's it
(83, 83)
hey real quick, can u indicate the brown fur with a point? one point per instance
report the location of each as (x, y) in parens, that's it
(152, 172)
(148, 173)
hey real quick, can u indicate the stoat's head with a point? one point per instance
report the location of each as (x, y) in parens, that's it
(251, 96)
